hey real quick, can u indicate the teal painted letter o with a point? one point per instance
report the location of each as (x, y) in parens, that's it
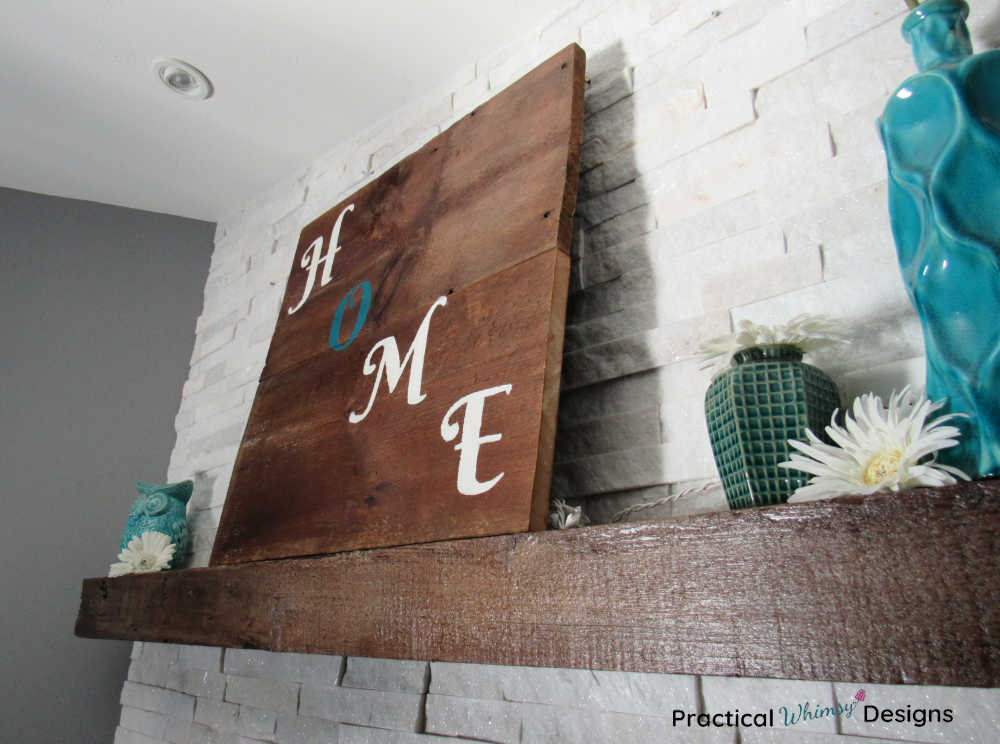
(338, 318)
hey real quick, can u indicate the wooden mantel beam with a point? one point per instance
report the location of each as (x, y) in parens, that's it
(891, 588)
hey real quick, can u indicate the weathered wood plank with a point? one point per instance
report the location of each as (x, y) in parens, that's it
(898, 588)
(495, 189)
(400, 484)
(468, 237)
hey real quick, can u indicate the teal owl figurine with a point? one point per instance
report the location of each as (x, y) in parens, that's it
(161, 508)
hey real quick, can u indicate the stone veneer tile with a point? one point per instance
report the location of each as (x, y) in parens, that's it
(199, 682)
(302, 729)
(486, 720)
(623, 692)
(598, 401)
(873, 248)
(257, 723)
(881, 321)
(849, 20)
(390, 675)
(199, 733)
(217, 714)
(144, 721)
(365, 735)
(261, 664)
(613, 471)
(276, 695)
(883, 379)
(180, 732)
(127, 736)
(605, 90)
(778, 276)
(630, 319)
(778, 736)
(146, 672)
(169, 703)
(607, 435)
(642, 351)
(392, 710)
(318, 669)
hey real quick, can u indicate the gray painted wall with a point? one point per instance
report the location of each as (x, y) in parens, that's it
(98, 308)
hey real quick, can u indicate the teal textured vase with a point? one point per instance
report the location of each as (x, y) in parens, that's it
(768, 396)
(941, 133)
(161, 508)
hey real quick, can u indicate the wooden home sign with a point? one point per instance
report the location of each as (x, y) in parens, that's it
(410, 390)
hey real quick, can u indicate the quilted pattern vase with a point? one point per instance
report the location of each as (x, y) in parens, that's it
(768, 396)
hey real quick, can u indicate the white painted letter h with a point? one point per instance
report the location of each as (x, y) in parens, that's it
(312, 258)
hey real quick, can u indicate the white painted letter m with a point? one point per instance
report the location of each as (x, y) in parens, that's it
(391, 365)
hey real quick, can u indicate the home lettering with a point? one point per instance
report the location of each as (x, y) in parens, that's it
(383, 361)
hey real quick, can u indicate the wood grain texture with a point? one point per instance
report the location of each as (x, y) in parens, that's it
(391, 479)
(480, 216)
(897, 588)
(495, 189)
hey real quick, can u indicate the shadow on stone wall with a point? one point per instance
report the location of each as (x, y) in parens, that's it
(608, 447)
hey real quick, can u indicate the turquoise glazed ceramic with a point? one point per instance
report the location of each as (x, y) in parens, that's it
(753, 408)
(161, 508)
(941, 132)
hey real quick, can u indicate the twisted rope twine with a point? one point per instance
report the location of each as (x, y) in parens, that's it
(619, 516)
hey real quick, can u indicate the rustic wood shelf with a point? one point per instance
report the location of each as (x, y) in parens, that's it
(892, 588)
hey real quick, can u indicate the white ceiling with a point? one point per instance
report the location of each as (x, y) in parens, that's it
(82, 115)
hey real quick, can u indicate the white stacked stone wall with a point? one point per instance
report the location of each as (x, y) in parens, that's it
(731, 170)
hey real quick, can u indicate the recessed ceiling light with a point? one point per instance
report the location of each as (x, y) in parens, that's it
(182, 78)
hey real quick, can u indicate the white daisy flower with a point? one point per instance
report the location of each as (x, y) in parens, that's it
(147, 553)
(564, 516)
(805, 332)
(879, 449)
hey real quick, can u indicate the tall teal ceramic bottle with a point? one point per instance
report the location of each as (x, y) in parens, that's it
(161, 508)
(941, 132)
